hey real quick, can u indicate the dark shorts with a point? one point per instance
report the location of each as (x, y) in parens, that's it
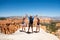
(30, 25)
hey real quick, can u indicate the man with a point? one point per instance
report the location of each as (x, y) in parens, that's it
(30, 23)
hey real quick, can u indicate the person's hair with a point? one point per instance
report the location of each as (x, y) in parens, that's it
(30, 16)
(38, 19)
(23, 18)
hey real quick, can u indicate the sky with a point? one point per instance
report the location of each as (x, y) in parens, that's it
(30, 7)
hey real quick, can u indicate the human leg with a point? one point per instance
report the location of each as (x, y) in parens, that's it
(32, 27)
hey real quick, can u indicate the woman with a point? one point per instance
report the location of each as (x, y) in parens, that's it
(23, 24)
(38, 25)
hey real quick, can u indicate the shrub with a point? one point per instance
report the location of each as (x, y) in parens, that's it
(2, 18)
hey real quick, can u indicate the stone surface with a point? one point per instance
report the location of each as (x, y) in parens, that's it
(42, 35)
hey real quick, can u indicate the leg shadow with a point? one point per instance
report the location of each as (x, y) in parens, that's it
(28, 32)
(21, 31)
(36, 31)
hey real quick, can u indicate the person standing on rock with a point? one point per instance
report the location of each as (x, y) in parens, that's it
(30, 23)
(23, 24)
(38, 25)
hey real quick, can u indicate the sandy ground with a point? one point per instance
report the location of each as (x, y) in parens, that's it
(42, 35)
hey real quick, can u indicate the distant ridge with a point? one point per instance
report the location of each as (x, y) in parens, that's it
(53, 18)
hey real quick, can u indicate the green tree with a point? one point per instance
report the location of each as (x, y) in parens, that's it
(52, 27)
(2, 18)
